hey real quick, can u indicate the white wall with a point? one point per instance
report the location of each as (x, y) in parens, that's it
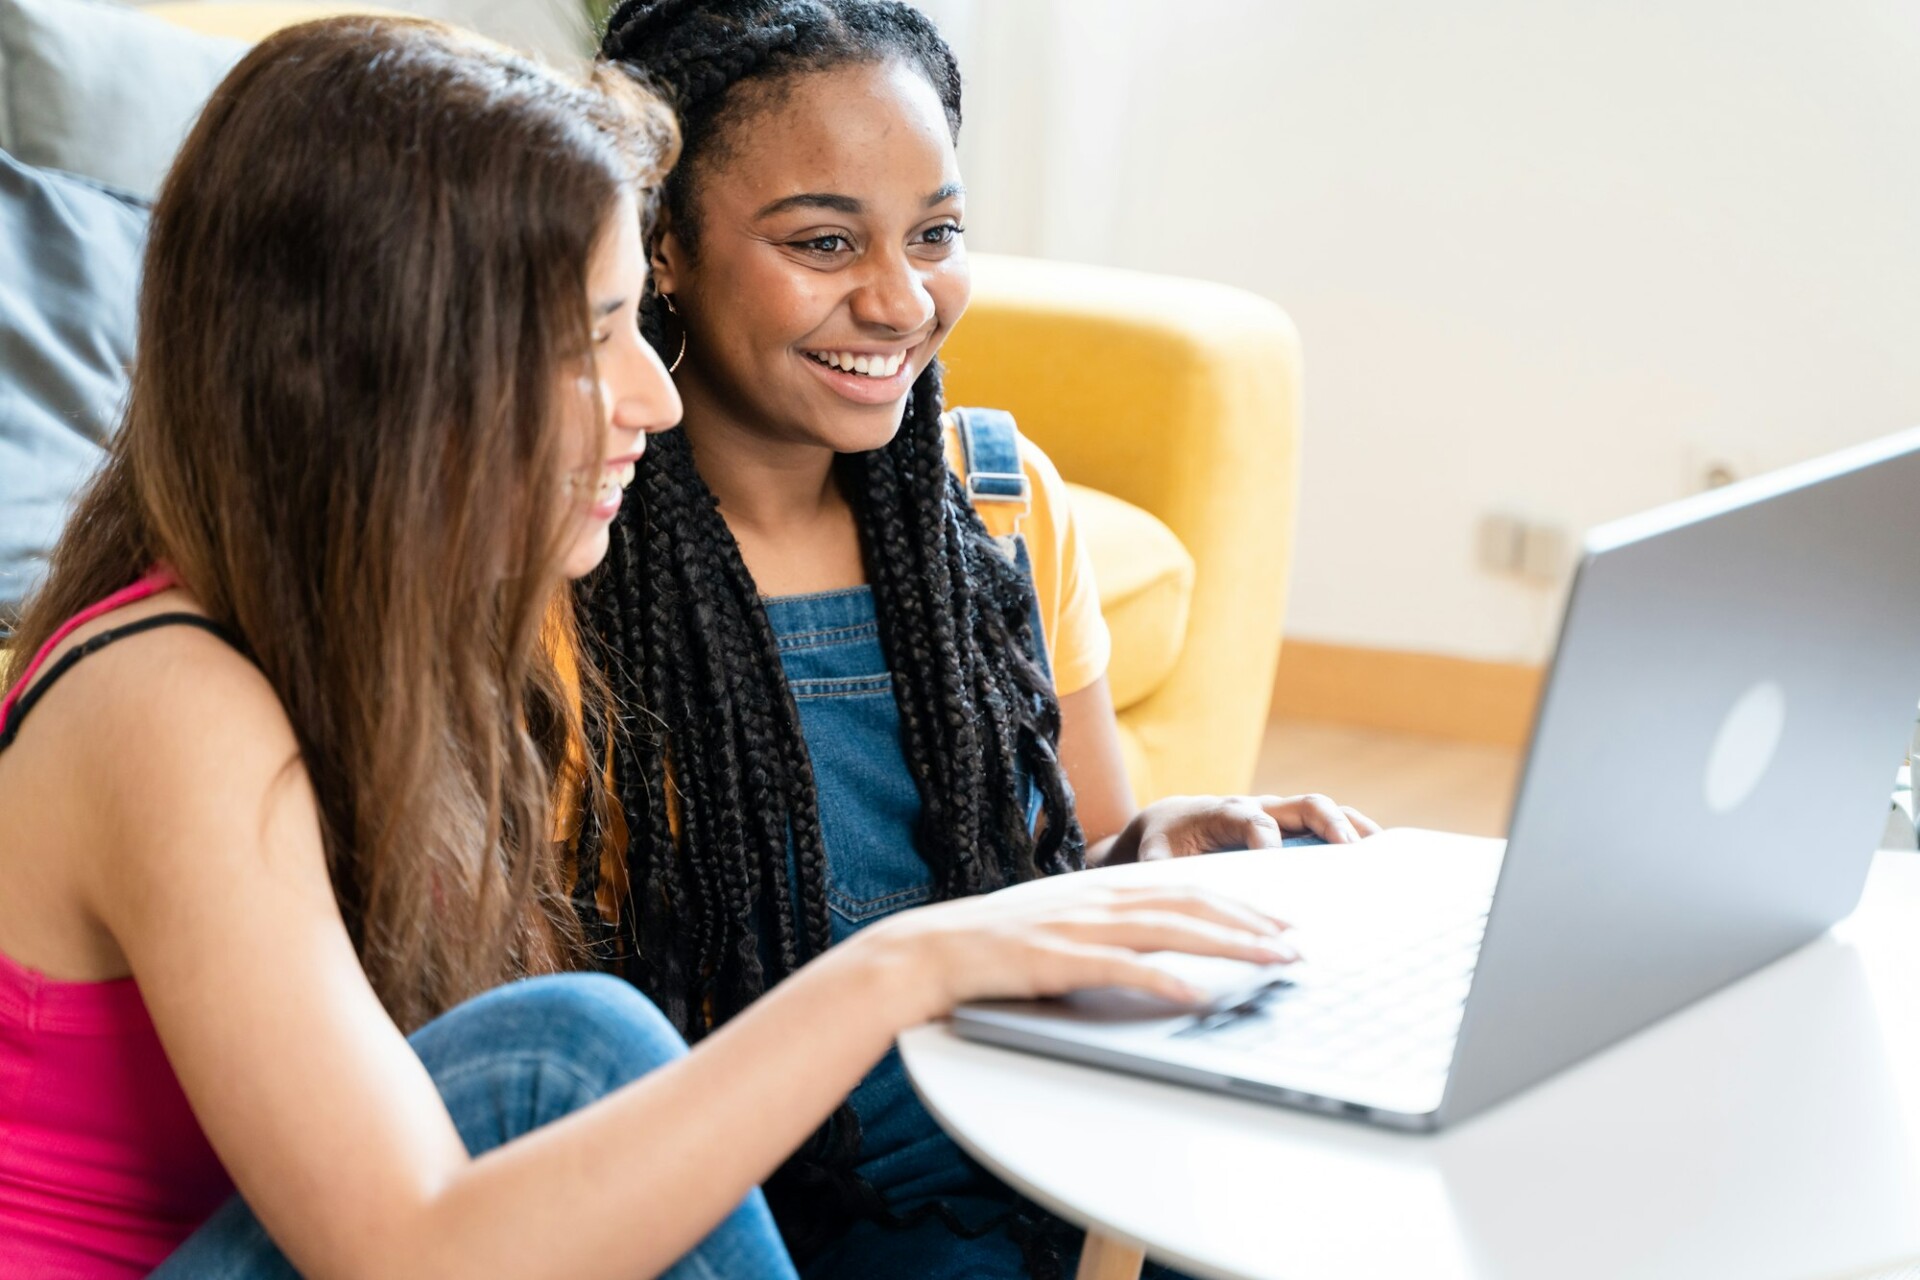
(1544, 255)
(555, 29)
(1547, 256)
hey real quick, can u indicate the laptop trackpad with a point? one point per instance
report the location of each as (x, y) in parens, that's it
(1226, 983)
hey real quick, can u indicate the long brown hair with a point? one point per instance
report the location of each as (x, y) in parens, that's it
(365, 281)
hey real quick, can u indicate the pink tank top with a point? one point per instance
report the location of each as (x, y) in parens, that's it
(103, 1169)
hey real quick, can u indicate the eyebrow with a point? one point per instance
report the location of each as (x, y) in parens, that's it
(844, 204)
(605, 308)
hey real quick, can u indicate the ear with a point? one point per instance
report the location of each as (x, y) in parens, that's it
(667, 259)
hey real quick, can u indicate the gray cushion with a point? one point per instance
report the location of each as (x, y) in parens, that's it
(69, 276)
(102, 89)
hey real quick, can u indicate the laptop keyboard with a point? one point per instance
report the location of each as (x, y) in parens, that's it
(1398, 1014)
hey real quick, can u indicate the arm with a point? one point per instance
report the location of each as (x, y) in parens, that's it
(211, 878)
(219, 896)
(1097, 772)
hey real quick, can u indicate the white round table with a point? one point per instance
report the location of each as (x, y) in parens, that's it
(1770, 1132)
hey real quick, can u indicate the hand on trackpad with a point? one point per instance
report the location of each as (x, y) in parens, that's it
(1224, 983)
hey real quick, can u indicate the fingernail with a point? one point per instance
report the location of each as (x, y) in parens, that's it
(1280, 955)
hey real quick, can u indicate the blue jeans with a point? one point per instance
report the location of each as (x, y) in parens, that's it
(507, 1062)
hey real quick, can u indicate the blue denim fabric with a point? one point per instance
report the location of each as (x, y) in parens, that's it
(929, 1251)
(869, 809)
(869, 806)
(506, 1063)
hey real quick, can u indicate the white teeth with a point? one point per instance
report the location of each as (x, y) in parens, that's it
(869, 366)
(609, 487)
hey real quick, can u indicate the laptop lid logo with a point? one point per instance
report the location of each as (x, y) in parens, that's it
(1748, 739)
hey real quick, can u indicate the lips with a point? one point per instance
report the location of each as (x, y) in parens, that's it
(603, 503)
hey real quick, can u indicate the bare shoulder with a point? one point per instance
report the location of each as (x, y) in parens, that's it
(155, 700)
(128, 781)
(156, 730)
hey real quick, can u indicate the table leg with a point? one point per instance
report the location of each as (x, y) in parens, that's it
(1104, 1258)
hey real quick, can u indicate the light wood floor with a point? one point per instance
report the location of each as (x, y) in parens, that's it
(1396, 779)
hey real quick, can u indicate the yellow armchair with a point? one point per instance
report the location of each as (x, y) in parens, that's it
(1181, 398)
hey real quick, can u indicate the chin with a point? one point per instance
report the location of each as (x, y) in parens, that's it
(586, 554)
(865, 429)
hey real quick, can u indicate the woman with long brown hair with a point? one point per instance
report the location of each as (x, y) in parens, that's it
(283, 902)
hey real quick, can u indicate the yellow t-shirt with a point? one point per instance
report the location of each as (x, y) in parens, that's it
(1078, 642)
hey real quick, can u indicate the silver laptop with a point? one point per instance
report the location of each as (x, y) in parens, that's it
(1709, 774)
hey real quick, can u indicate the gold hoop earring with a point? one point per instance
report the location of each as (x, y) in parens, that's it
(675, 313)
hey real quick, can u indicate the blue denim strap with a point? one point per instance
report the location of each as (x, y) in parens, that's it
(991, 445)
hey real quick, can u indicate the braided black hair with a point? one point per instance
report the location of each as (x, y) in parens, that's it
(713, 774)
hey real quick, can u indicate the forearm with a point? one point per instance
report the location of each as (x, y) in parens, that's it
(636, 1180)
(1096, 770)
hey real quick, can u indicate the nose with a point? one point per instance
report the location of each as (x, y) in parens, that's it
(637, 390)
(892, 294)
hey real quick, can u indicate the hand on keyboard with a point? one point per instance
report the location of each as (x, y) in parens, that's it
(1182, 826)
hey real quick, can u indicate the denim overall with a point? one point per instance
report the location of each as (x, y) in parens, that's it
(869, 808)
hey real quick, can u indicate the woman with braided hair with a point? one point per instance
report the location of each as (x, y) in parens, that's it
(850, 697)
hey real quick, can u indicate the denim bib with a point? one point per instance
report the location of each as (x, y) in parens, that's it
(869, 806)
(830, 650)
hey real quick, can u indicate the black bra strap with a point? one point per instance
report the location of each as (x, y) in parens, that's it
(95, 643)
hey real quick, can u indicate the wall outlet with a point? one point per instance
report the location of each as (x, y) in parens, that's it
(1497, 543)
(1705, 467)
(1717, 473)
(1545, 552)
(1514, 546)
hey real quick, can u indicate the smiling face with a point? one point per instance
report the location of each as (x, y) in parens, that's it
(826, 265)
(624, 396)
